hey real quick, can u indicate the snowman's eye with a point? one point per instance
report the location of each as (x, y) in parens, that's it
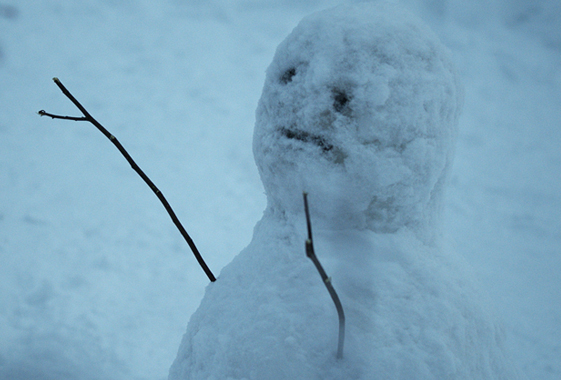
(340, 101)
(288, 75)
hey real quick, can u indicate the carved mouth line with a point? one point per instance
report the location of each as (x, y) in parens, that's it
(307, 137)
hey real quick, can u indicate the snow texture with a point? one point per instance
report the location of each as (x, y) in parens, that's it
(360, 108)
(96, 282)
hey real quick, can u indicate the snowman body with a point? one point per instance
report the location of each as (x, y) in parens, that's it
(359, 109)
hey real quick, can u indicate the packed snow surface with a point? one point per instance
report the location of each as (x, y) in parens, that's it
(360, 109)
(95, 281)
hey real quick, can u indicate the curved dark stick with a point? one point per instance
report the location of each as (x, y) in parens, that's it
(89, 118)
(326, 280)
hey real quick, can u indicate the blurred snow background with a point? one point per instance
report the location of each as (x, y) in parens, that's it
(96, 282)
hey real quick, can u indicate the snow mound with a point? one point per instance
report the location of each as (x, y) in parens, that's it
(359, 108)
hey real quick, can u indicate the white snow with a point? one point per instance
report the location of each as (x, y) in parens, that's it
(96, 283)
(370, 110)
(360, 109)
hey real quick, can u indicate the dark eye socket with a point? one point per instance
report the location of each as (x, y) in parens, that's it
(340, 100)
(288, 75)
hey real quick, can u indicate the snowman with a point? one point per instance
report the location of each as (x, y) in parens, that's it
(360, 109)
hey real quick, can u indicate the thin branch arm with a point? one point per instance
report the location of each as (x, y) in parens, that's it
(135, 167)
(310, 252)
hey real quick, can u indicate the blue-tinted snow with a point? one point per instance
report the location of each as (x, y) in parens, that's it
(95, 281)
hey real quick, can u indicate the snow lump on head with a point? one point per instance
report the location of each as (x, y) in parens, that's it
(360, 108)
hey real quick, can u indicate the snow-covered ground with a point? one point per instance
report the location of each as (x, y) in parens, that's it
(96, 282)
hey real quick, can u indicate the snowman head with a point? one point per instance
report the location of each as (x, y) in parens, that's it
(360, 109)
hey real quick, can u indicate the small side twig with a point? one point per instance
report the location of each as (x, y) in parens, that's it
(87, 117)
(326, 280)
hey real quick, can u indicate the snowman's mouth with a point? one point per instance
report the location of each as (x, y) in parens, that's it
(307, 138)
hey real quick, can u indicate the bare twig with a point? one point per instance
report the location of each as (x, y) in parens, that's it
(326, 280)
(43, 113)
(87, 117)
